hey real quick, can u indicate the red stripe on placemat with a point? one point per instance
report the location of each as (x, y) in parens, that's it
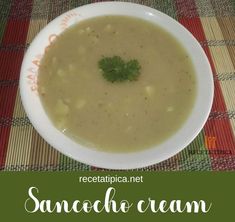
(10, 63)
(7, 96)
(219, 138)
(194, 26)
(218, 132)
(15, 34)
(15, 31)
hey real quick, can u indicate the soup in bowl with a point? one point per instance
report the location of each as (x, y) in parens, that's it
(116, 85)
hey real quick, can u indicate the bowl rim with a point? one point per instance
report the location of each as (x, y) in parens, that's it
(140, 159)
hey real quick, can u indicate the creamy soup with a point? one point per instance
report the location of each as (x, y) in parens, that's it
(122, 116)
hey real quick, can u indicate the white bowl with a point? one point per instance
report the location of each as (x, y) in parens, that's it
(41, 122)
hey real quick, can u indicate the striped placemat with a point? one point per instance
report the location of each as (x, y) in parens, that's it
(212, 22)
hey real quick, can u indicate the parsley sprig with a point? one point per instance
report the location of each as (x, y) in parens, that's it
(115, 69)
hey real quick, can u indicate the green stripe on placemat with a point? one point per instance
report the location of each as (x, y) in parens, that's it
(67, 163)
(233, 2)
(75, 3)
(59, 7)
(165, 6)
(195, 156)
(4, 12)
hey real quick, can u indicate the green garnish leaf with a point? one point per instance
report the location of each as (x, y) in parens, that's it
(115, 69)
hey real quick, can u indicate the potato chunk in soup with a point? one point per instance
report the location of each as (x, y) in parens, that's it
(123, 116)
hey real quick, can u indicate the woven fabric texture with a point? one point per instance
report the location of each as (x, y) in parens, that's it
(211, 22)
